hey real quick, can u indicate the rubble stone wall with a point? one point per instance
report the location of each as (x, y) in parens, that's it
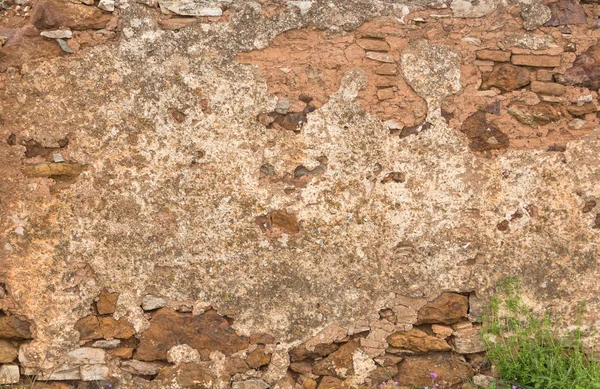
(289, 194)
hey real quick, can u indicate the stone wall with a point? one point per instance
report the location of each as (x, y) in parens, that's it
(289, 194)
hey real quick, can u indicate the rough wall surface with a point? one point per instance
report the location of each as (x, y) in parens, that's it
(267, 194)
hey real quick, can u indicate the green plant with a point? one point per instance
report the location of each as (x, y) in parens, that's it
(526, 349)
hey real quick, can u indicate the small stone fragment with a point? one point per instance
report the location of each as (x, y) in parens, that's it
(493, 55)
(535, 15)
(483, 134)
(87, 356)
(329, 382)
(548, 88)
(182, 353)
(107, 5)
(188, 8)
(394, 177)
(417, 340)
(468, 341)
(589, 205)
(380, 57)
(94, 372)
(283, 105)
(540, 61)
(8, 352)
(111, 328)
(506, 77)
(3, 40)
(113, 343)
(176, 23)
(441, 331)
(503, 225)
(258, 358)
(483, 381)
(385, 93)
(150, 303)
(449, 369)
(566, 12)
(12, 327)
(187, 375)
(448, 308)
(250, 384)
(373, 44)
(9, 374)
(576, 124)
(276, 222)
(387, 69)
(134, 366)
(121, 352)
(64, 46)
(57, 34)
(107, 303)
(88, 328)
(585, 71)
(532, 115)
(338, 364)
(581, 110)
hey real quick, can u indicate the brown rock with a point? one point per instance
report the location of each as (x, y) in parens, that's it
(450, 370)
(394, 177)
(373, 44)
(566, 12)
(380, 57)
(597, 221)
(309, 383)
(483, 135)
(532, 115)
(88, 328)
(300, 353)
(585, 71)
(115, 329)
(503, 225)
(493, 55)
(262, 339)
(468, 341)
(121, 352)
(331, 383)
(387, 69)
(107, 303)
(187, 375)
(234, 366)
(506, 77)
(338, 364)
(8, 352)
(385, 93)
(417, 340)
(206, 332)
(12, 327)
(277, 222)
(136, 367)
(258, 358)
(51, 14)
(448, 308)
(62, 170)
(547, 88)
(176, 23)
(588, 206)
(581, 110)
(23, 49)
(540, 61)
(441, 331)
(301, 367)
